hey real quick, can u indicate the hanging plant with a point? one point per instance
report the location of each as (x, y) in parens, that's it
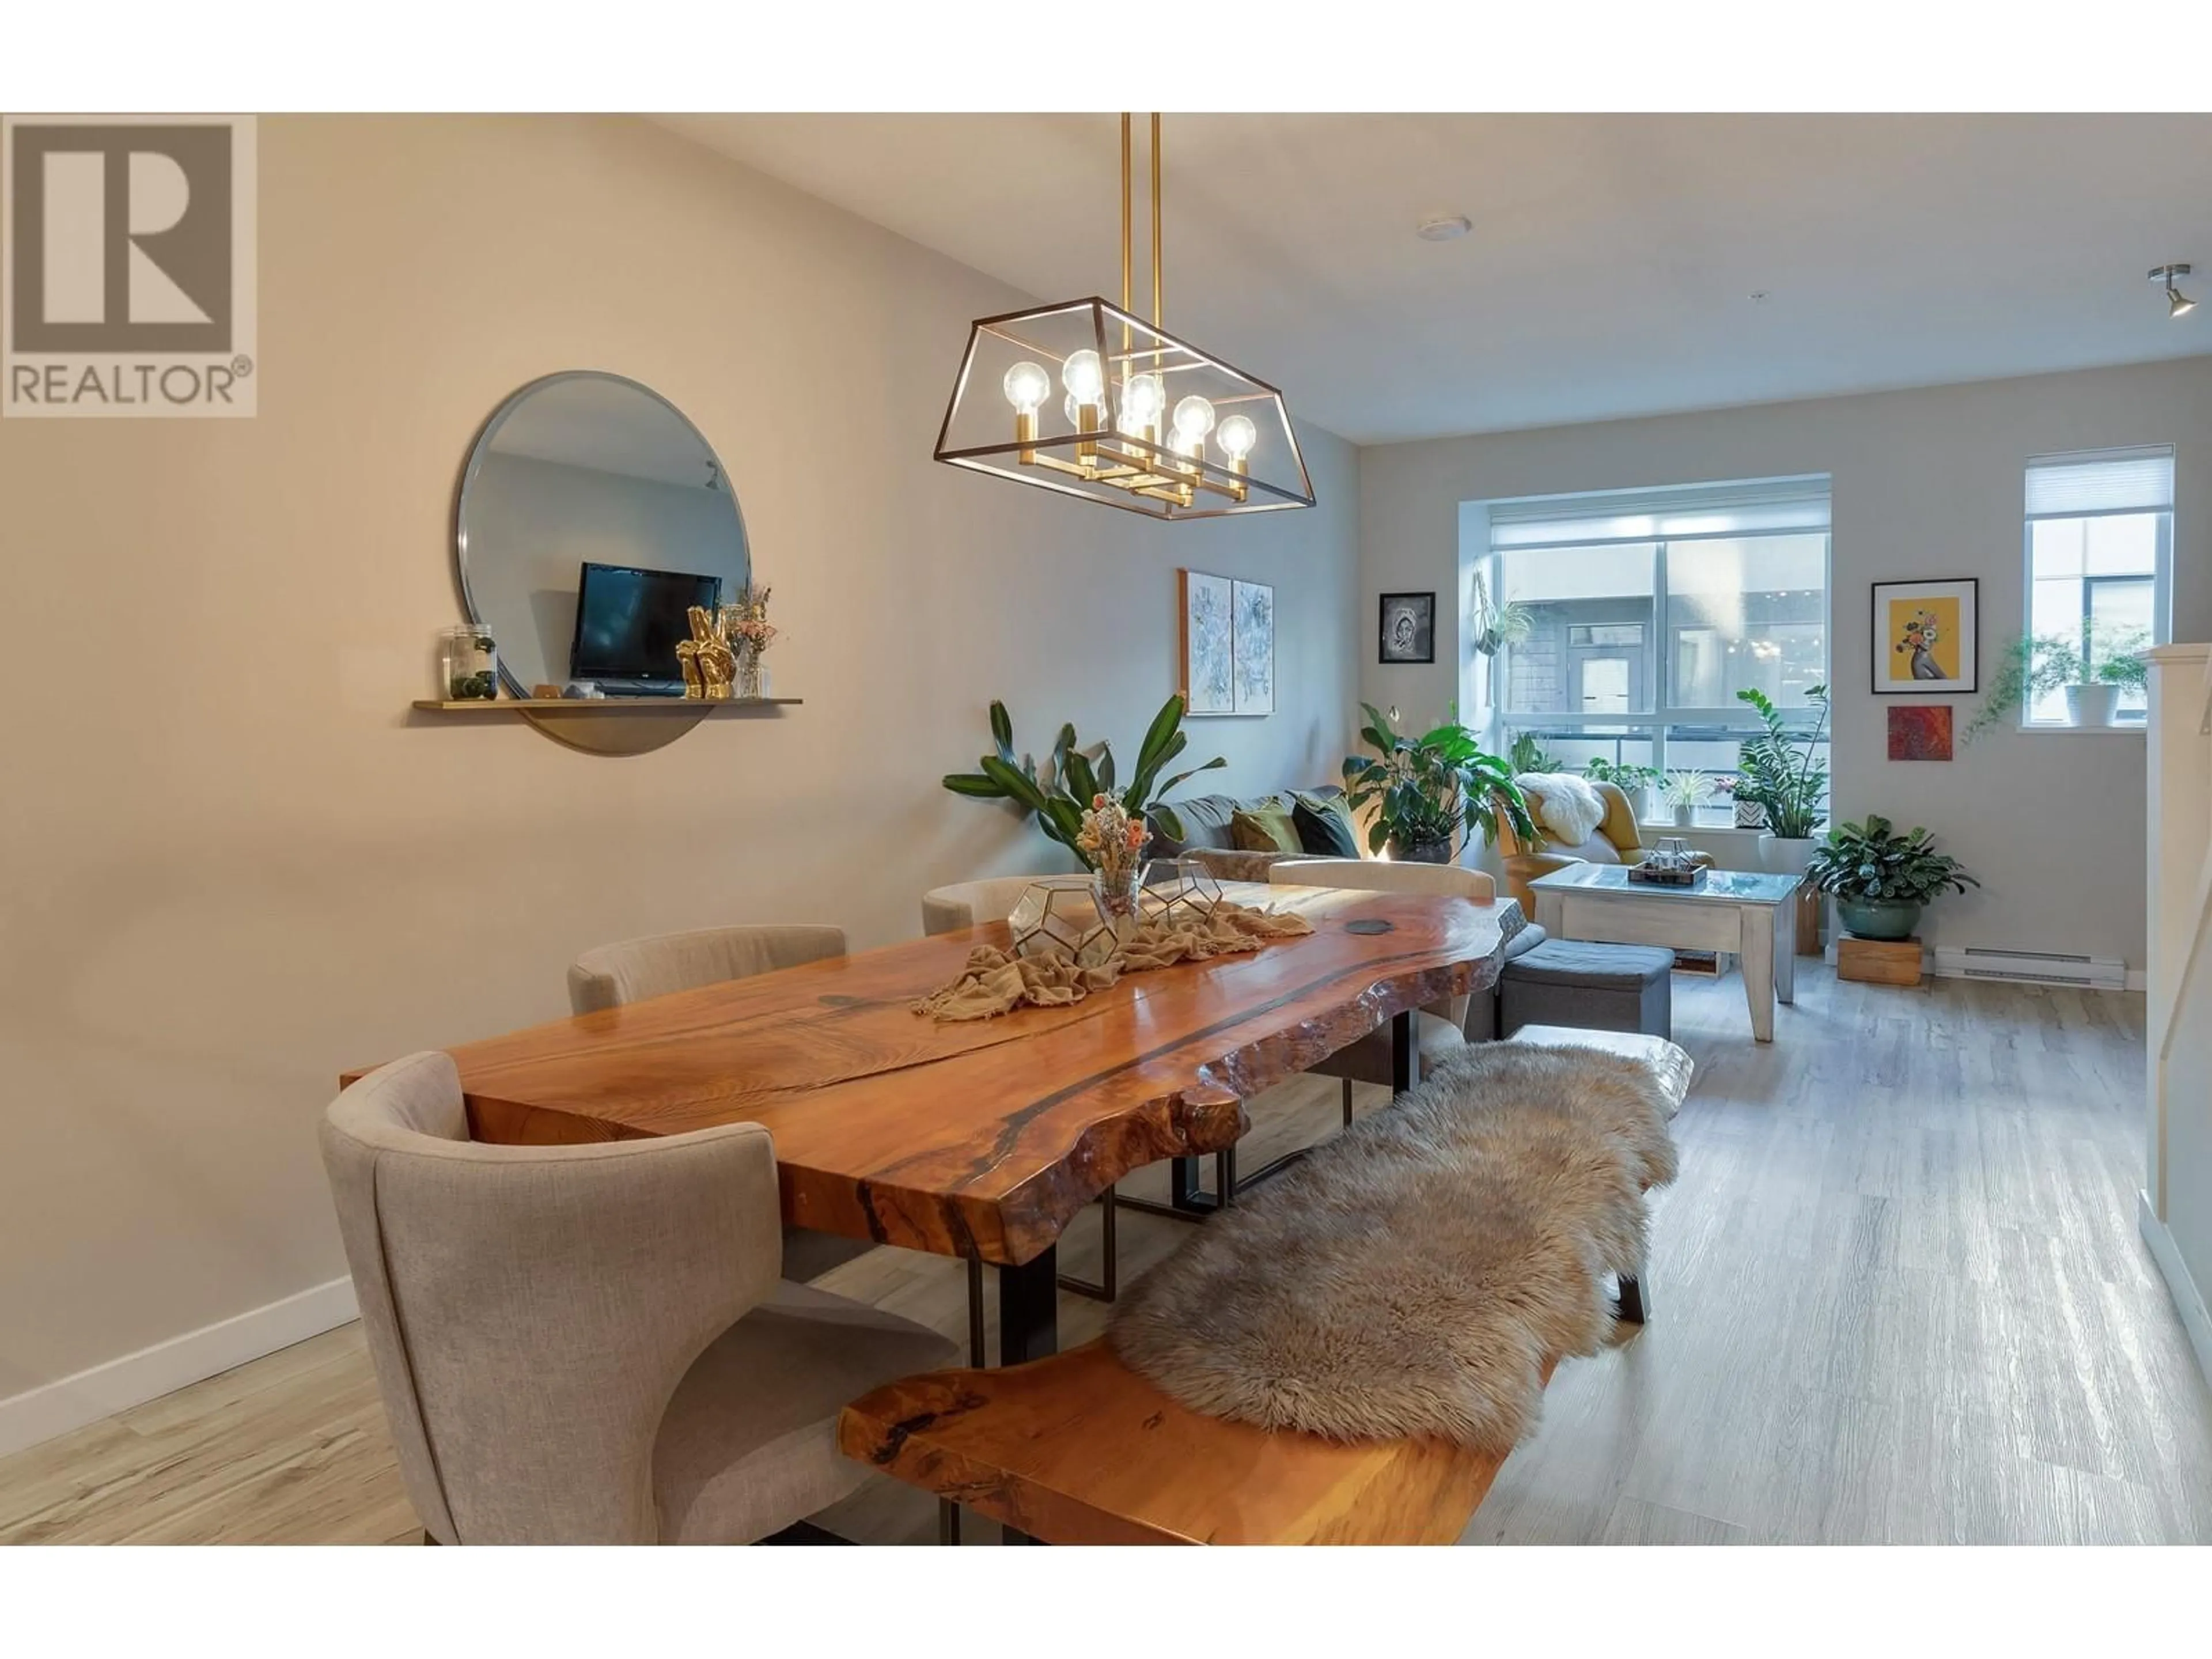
(1491, 626)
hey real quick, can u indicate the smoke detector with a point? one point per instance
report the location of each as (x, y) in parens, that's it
(1444, 228)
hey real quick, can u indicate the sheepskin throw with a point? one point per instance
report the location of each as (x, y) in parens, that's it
(997, 981)
(1570, 808)
(1413, 1276)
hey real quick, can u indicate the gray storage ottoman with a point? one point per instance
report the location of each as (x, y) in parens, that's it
(1597, 987)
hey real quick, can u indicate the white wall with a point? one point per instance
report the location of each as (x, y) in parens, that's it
(236, 866)
(1927, 483)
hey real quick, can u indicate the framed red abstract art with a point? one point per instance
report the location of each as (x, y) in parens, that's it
(1921, 733)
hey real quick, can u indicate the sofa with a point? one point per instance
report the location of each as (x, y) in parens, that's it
(1616, 840)
(1208, 838)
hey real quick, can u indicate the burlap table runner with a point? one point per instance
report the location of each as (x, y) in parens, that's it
(997, 981)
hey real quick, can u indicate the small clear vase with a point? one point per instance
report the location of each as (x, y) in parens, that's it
(747, 681)
(1115, 892)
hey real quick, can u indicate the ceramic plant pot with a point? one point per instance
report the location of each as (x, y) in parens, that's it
(2090, 704)
(1886, 919)
(1421, 852)
(1784, 855)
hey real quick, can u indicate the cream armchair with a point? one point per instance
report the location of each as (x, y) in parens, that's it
(592, 1344)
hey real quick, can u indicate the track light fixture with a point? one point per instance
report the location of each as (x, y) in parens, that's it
(2178, 304)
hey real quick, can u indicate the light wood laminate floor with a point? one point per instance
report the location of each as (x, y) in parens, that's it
(1898, 1297)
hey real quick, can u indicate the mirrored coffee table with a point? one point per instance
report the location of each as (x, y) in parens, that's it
(1747, 912)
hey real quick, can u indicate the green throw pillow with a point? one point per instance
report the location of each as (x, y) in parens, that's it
(1324, 826)
(1265, 829)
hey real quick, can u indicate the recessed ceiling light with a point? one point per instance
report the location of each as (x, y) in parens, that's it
(1444, 228)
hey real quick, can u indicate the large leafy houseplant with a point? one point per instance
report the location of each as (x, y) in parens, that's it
(1881, 879)
(1774, 772)
(1073, 777)
(1424, 788)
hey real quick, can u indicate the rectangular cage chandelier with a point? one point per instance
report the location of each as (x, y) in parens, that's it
(1088, 398)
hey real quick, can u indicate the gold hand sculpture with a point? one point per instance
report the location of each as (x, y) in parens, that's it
(714, 661)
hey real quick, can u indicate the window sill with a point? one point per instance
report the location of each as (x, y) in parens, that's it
(2082, 730)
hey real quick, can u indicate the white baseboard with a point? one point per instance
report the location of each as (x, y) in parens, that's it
(2188, 1301)
(55, 1409)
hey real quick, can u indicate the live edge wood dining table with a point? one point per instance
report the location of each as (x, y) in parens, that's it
(983, 1139)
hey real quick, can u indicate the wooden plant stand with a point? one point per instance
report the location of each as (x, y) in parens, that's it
(1878, 961)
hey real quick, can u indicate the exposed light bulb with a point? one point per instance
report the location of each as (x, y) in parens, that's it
(1193, 418)
(1068, 408)
(1027, 386)
(1237, 435)
(1084, 376)
(1142, 400)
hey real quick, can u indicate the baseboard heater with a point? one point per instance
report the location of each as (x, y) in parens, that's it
(2033, 967)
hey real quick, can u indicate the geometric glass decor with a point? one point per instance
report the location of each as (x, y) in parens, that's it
(1088, 399)
(1059, 914)
(1178, 892)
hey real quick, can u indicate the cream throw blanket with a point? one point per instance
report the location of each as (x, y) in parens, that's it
(997, 981)
(1568, 807)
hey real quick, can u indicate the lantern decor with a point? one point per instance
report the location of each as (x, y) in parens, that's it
(1086, 398)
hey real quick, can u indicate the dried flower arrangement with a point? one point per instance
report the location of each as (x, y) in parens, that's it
(745, 620)
(1110, 841)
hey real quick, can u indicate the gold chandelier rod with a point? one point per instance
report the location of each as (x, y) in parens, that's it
(1156, 218)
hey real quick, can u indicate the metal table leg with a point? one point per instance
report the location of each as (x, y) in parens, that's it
(1631, 1304)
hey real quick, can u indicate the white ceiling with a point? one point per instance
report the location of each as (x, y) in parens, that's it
(1612, 260)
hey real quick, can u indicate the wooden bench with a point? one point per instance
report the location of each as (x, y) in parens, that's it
(1079, 1448)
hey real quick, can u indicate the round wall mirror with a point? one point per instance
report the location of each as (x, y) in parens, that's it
(592, 516)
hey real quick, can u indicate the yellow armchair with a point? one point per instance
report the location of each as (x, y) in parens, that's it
(1616, 840)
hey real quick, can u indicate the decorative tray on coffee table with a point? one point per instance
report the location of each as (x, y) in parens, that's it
(1658, 875)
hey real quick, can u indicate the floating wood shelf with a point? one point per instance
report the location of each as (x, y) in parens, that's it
(606, 726)
(600, 705)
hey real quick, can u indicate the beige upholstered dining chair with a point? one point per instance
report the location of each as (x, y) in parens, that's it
(592, 1344)
(972, 903)
(1439, 1028)
(612, 976)
(609, 975)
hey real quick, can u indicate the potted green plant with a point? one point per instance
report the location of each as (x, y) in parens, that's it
(2120, 666)
(1077, 780)
(1685, 791)
(1632, 780)
(1881, 879)
(1527, 753)
(2028, 670)
(1424, 789)
(1785, 781)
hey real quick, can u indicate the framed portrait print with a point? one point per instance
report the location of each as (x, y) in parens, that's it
(1927, 636)
(1409, 629)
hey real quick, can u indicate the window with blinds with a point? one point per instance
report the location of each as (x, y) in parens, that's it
(2100, 549)
(1647, 611)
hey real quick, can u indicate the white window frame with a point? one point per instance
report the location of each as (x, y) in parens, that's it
(2161, 572)
(1735, 715)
